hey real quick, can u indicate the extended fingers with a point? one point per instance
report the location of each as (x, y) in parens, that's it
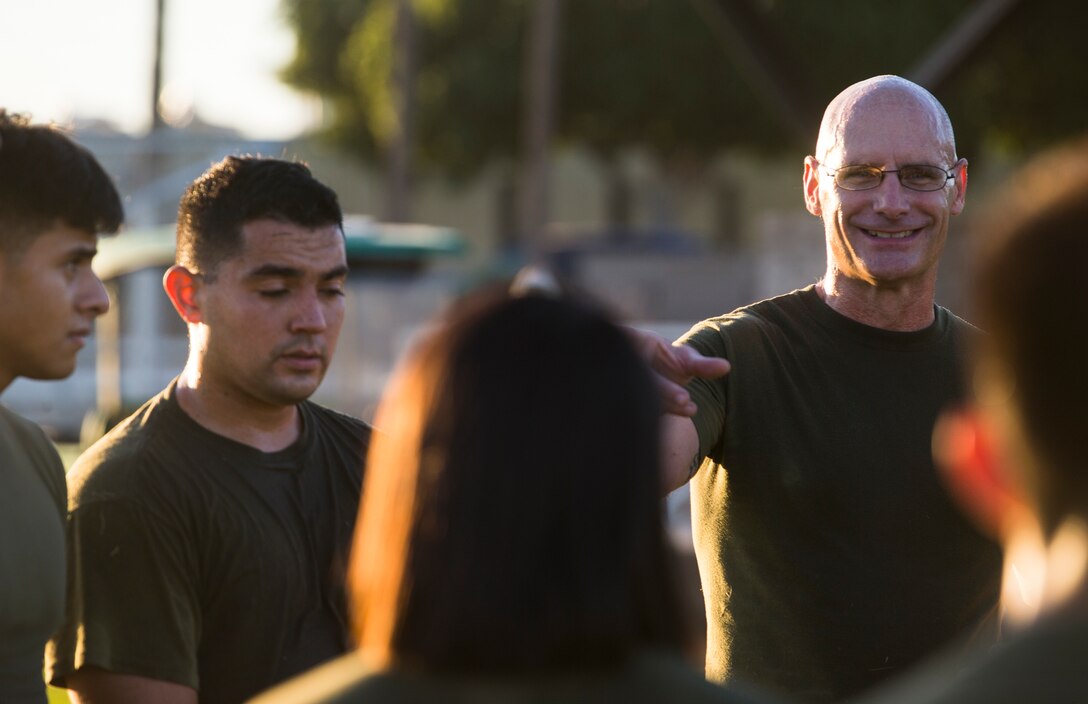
(675, 398)
(692, 364)
(674, 367)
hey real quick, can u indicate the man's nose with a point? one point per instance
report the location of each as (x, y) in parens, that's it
(310, 316)
(891, 198)
(92, 295)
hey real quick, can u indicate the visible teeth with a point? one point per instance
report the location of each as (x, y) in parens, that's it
(889, 235)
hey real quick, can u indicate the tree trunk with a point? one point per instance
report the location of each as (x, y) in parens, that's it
(618, 200)
(399, 149)
(539, 110)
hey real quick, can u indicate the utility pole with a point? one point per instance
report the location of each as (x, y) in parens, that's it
(157, 123)
(537, 123)
(109, 380)
(399, 148)
(153, 164)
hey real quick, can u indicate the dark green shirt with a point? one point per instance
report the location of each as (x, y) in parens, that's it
(1043, 665)
(31, 555)
(206, 562)
(831, 556)
(649, 678)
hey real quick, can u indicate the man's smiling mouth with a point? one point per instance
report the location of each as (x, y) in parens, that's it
(889, 235)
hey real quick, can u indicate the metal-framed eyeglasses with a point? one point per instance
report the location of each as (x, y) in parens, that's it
(916, 177)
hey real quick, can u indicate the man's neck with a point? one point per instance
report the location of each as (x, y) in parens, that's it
(904, 307)
(263, 426)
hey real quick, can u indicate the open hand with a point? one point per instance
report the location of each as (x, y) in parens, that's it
(674, 367)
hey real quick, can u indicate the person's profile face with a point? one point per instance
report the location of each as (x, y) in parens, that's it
(274, 310)
(49, 298)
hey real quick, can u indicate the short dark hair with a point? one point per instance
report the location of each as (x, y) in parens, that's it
(45, 177)
(238, 190)
(511, 516)
(1030, 297)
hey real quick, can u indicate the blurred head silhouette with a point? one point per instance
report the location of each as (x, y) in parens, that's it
(1017, 456)
(511, 513)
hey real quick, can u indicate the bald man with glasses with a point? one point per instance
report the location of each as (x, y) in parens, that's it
(830, 555)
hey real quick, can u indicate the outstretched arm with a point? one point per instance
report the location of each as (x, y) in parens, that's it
(679, 451)
(675, 366)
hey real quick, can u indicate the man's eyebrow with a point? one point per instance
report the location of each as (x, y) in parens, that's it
(277, 271)
(83, 251)
(269, 271)
(337, 273)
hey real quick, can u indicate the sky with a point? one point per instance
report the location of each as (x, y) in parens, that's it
(65, 60)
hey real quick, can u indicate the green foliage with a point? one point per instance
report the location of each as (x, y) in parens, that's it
(653, 75)
(649, 73)
(469, 87)
(468, 78)
(365, 63)
(322, 28)
(1025, 90)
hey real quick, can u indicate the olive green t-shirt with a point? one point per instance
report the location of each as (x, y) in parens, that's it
(650, 677)
(1043, 664)
(202, 561)
(831, 556)
(31, 555)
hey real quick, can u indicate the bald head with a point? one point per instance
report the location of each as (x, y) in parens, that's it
(889, 95)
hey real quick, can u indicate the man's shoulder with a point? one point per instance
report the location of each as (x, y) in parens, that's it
(657, 676)
(337, 422)
(339, 680)
(958, 326)
(26, 432)
(35, 445)
(782, 312)
(1046, 658)
(647, 678)
(112, 467)
(335, 417)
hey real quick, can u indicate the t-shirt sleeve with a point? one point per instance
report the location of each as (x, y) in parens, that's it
(133, 606)
(45, 461)
(709, 395)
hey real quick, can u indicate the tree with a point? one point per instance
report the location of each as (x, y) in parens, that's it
(467, 85)
(654, 75)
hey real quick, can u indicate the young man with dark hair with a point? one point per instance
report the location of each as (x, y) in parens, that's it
(55, 199)
(210, 529)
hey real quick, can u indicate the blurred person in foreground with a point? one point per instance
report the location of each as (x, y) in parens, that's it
(209, 531)
(1016, 456)
(55, 199)
(510, 545)
(830, 556)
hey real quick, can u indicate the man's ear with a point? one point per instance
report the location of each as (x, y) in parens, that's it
(182, 285)
(811, 183)
(972, 460)
(960, 184)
